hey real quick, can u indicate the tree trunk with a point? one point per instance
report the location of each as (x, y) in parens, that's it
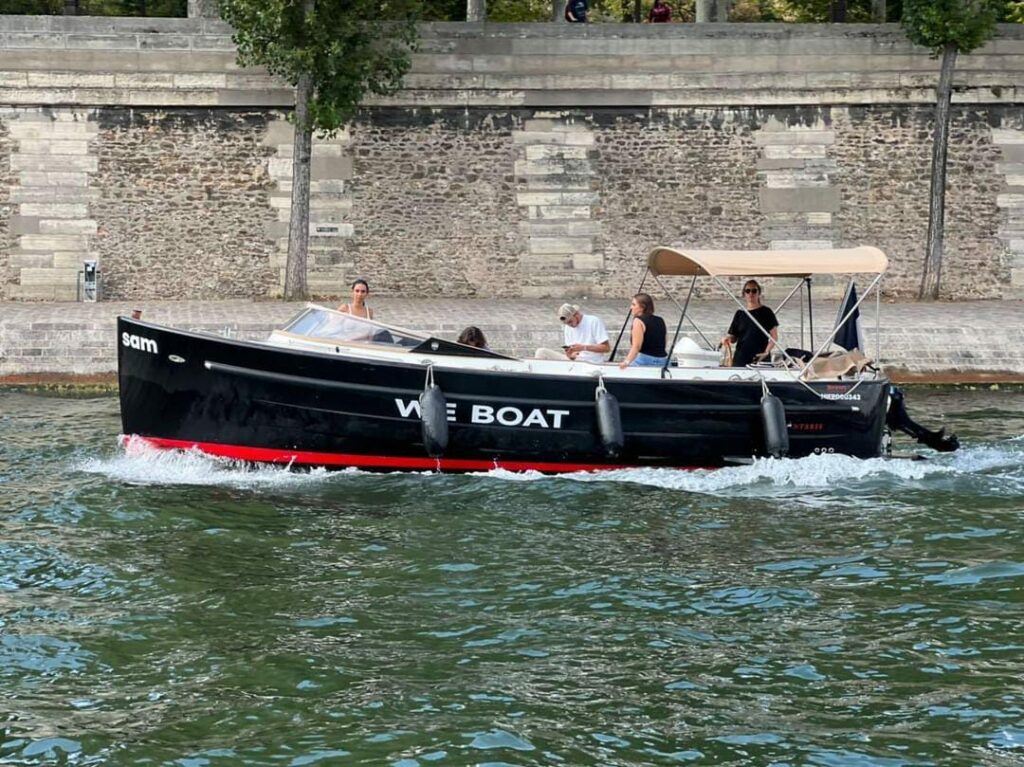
(298, 230)
(932, 272)
(704, 11)
(70, 7)
(878, 11)
(557, 8)
(638, 11)
(476, 10)
(838, 11)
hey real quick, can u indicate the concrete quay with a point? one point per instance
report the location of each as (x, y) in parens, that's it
(75, 343)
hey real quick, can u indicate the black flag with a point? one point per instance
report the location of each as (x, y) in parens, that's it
(849, 336)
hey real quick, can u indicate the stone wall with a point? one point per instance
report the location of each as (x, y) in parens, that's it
(182, 204)
(7, 276)
(519, 160)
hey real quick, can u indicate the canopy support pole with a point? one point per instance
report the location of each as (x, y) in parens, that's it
(679, 325)
(810, 312)
(629, 314)
(682, 309)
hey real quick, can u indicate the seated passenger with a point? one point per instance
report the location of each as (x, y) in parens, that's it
(751, 343)
(584, 336)
(358, 307)
(473, 336)
(647, 334)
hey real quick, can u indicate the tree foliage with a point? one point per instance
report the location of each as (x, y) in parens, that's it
(966, 24)
(348, 48)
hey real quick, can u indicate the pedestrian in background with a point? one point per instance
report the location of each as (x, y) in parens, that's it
(661, 13)
(576, 11)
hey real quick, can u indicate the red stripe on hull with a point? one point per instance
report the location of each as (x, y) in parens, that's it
(308, 458)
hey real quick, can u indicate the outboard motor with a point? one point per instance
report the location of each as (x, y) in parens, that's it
(609, 421)
(897, 418)
(773, 419)
(434, 418)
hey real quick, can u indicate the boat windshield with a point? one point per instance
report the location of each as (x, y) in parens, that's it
(315, 322)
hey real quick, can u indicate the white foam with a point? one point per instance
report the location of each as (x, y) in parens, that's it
(141, 464)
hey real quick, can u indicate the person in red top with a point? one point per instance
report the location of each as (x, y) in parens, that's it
(661, 13)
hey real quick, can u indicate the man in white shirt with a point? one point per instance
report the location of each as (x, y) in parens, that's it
(586, 338)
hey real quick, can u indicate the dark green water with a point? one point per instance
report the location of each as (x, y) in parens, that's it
(169, 609)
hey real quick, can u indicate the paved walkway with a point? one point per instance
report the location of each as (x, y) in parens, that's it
(965, 341)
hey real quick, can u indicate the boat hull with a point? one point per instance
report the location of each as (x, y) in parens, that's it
(261, 403)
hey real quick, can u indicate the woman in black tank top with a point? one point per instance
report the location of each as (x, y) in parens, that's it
(647, 335)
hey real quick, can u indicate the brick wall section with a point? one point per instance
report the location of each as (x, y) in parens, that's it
(686, 176)
(884, 158)
(434, 203)
(183, 204)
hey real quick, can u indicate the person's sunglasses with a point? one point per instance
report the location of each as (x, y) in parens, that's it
(751, 290)
(564, 319)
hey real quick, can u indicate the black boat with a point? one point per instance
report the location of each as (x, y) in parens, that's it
(333, 390)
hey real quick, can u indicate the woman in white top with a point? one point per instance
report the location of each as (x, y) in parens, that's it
(358, 307)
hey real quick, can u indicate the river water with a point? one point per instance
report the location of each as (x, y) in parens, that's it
(172, 609)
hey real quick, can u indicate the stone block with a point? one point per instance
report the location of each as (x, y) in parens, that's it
(1005, 137)
(53, 147)
(213, 43)
(280, 168)
(164, 42)
(797, 179)
(23, 128)
(260, 98)
(67, 226)
(53, 242)
(37, 162)
(560, 212)
(13, 80)
(33, 292)
(279, 133)
(800, 200)
(52, 194)
(330, 229)
(200, 80)
(54, 210)
(331, 168)
(538, 198)
(555, 152)
(1010, 201)
(29, 261)
(24, 225)
(35, 40)
(802, 245)
(103, 42)
(49, 277)
(798, 137)
(559, 245)
(146, 80)
(794, 152)
(587, 261)
(70, 80)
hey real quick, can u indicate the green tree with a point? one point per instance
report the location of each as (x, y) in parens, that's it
(947, 27)
(334, 52)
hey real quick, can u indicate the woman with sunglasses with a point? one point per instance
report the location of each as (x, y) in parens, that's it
(358, 307)
(751, 343)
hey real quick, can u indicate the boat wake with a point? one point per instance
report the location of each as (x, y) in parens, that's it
(141, 464)
(819, 472)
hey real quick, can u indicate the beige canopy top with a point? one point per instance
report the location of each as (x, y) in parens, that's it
(767, 263)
